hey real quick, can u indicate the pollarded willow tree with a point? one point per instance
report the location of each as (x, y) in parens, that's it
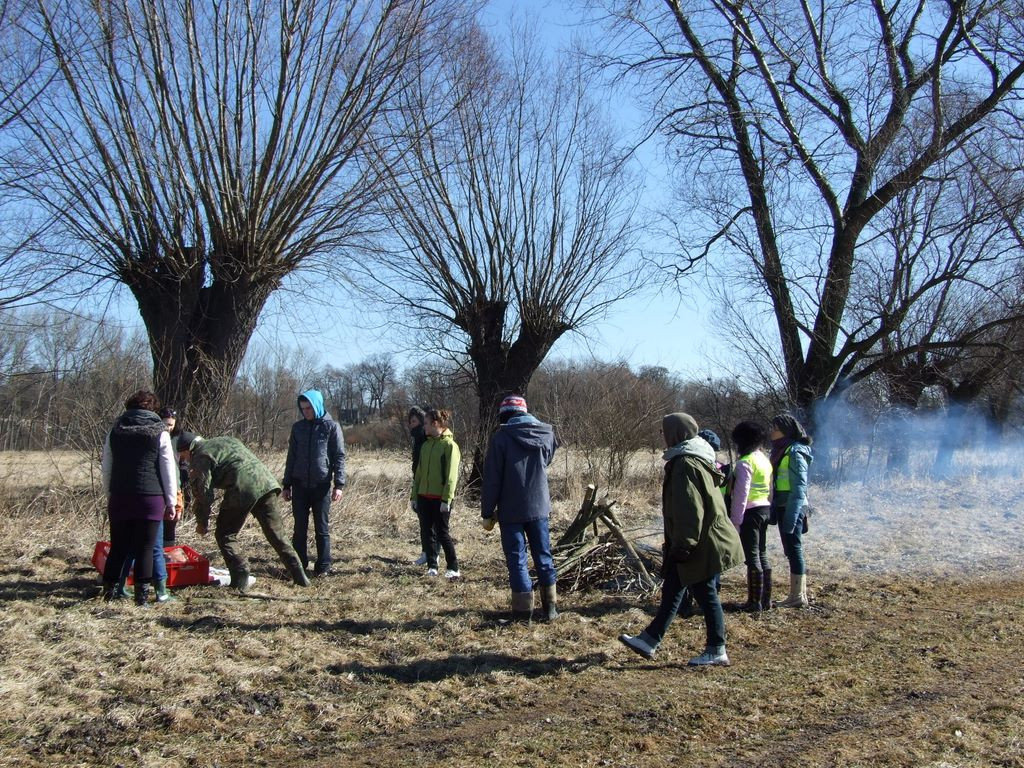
(795, 124)
(199, 153)
(513, 212)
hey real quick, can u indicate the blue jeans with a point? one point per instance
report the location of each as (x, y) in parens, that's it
(318, 501)
(514, 540)
(159, 563)
(705, 593)
(793, 548)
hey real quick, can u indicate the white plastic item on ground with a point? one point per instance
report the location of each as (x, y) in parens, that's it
(219, 577)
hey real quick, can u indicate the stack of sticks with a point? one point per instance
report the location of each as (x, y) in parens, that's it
(588, 557)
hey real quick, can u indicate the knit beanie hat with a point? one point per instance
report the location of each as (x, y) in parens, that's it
(186, 439)
(678, 427)
(711, 438)
(787, 424)
(513, 404)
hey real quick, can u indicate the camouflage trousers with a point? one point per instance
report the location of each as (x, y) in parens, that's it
(229, 524)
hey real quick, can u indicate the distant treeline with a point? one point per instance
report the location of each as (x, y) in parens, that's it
(63, 378)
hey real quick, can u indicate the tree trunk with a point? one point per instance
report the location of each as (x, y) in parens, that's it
(198, 334)
(502, 369)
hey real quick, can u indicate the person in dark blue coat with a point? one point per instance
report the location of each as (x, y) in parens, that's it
(515, 495)
(316, 456)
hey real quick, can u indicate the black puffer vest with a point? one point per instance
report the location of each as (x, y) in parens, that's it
(135, 453)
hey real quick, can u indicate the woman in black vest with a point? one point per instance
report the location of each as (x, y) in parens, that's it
(141, 479)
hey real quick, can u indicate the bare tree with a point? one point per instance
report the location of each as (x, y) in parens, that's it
(344, 391)
(201, 152)
(377, 376)
(25, 272)
(796, 124)
(513, 212)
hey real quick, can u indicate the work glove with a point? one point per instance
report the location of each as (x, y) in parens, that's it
(488, 523)
(444, 508)
(412, 504)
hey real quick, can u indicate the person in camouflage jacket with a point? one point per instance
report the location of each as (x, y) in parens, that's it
(248, 488)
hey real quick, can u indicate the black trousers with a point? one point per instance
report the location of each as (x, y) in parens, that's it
(130, 538)
(754, 538)
(434, 530)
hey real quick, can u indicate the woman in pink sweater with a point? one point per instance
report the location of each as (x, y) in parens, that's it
(749, 510)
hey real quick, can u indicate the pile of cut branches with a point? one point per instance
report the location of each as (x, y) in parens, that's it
(595, 552)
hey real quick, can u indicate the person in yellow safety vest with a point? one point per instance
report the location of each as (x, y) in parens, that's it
(751, 488)
(791, 460)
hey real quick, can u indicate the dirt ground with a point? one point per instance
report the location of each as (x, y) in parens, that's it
(910, 654)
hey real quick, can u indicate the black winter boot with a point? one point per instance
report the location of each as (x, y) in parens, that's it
(766, 589)
(298, 574)
(142, 594)
(240, 580)
(109, 592)
(548, 601)
(754, 582)
(522, 606)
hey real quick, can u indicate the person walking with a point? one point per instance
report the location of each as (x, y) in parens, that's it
(433, 489)
(249, 488)
(141, 481)
(791, 460)
(416, 419)
(700, 543)
(316, 456)
(515, 495)
(751, 487)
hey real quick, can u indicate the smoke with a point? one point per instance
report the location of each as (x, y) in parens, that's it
(926, 493)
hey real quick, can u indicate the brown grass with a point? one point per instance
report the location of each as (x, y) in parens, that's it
(892, 666)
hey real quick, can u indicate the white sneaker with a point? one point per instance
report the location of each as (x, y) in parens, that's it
(450, 574)
(421, 560)
(710, 658)
(638, 644)
(431, 572)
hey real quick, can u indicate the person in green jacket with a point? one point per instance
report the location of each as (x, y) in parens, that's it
(700, 542)
(249, 488)
(433, 488)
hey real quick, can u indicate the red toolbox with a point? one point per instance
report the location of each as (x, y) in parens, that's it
(185, 566)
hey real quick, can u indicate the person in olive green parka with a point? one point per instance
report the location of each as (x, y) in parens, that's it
(249, 488)
(700, 541)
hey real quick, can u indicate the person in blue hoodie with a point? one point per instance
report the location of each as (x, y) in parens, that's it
(316, 457)
(515, 495)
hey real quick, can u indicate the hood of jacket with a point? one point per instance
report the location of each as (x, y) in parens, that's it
(528, 431)
(697, 447)
(138, 421)
(446, 435)
(804, 449)
(315, 399)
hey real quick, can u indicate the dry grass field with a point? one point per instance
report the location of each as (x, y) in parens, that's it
(910, 654)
